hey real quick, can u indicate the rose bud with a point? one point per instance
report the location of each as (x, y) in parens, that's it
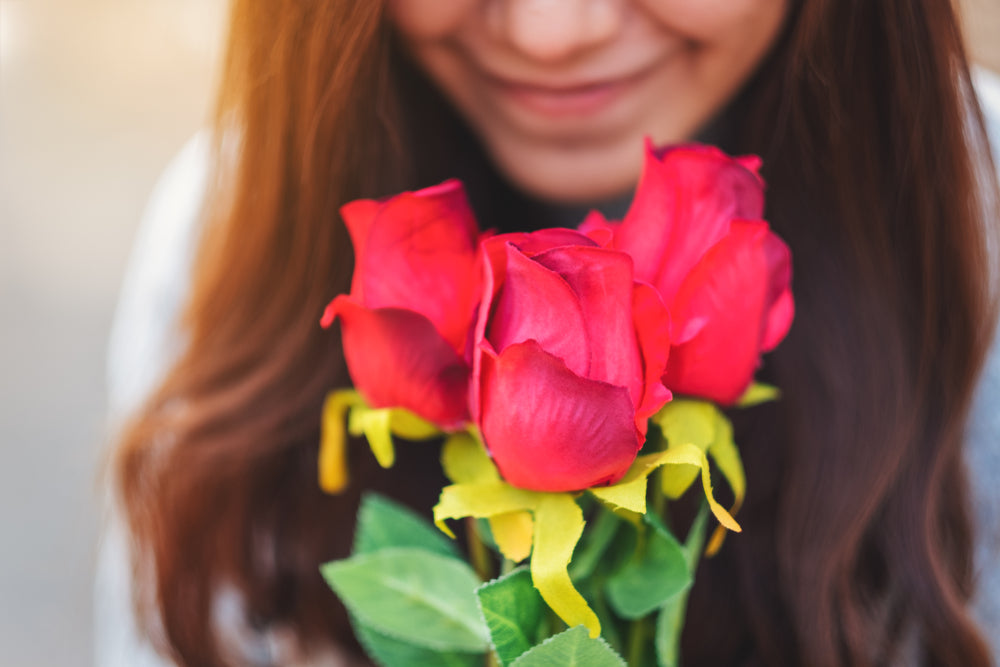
(568, 360)
(411, 309)
(695, 233)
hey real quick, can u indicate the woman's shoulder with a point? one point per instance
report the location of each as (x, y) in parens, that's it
(983, 460)
(144, 339)
(987, 86)
(144, 335)
(983, 432)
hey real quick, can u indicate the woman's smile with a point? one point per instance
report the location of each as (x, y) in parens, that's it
(562, 93)
(588, 99)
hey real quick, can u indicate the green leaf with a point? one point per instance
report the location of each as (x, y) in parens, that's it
(573, 648)
(656, 573)
(384, 523)
(613, 628)
(608, 544)
(387, 651)
(597, 538)
(412, 595)
(619, 551)
(670, 621)
(669, 624)
(486, 535)
(695, 539)
(514, 611)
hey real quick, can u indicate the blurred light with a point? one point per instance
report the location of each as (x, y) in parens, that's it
(11, 32)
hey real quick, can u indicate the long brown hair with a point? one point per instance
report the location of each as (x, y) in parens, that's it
(857, 541)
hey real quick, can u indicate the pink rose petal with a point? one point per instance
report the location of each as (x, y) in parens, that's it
(602, 281)
(549, 429)
(730, 289)
(652, 325)
(420, 254)
(684, 203)
(536, 303)
(398, 359)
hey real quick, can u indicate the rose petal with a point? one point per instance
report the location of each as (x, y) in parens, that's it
(652, 326)
(546, 239)
(779, 321)
(494, 270)
(684, 203)
(730, 289)
(537, 304)
(549, 429)
(598, 228)
(687, 330)
(751, 163)
(602, 281)
(782, 311)
(358, 216)
(398, 359)
(494, 258)
(420, 254)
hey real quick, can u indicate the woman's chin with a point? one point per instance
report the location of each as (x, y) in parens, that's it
(570, 175)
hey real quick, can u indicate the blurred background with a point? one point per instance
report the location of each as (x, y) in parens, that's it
(95, 97)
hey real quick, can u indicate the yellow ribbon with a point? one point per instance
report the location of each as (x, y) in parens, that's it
(700, 425)
(558, 527)
(333, 439)
(548, 525)
(378, 425)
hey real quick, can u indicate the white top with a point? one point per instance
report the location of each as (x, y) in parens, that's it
(145, 339)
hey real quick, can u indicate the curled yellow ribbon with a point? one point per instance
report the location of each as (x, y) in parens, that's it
(548, 525)
(702, 425)
(545, 525)
(333, 439)
(378, 425)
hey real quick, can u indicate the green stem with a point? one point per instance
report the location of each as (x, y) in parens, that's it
(659, 500)
(637, 634)
(478, 553)
(671, 618)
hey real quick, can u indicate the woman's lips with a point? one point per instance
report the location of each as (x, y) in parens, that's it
(565, 101)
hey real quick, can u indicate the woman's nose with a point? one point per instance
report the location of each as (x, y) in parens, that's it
(555, 30)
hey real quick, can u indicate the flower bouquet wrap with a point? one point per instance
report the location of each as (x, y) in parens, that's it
(575, 380)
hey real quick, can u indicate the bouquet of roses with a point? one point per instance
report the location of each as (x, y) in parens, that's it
(576, 379)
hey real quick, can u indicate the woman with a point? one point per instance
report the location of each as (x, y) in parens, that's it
(857, 543)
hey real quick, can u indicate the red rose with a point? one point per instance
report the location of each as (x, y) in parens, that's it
(568, 360)
(695, 233)
(412, 304)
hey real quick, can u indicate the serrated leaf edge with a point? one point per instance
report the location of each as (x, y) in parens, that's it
(370, 654)
(589, 638)
(410, 515)
(482, 613)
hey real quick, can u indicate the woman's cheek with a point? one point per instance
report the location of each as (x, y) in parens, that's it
(719, 21)
(429, 19)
